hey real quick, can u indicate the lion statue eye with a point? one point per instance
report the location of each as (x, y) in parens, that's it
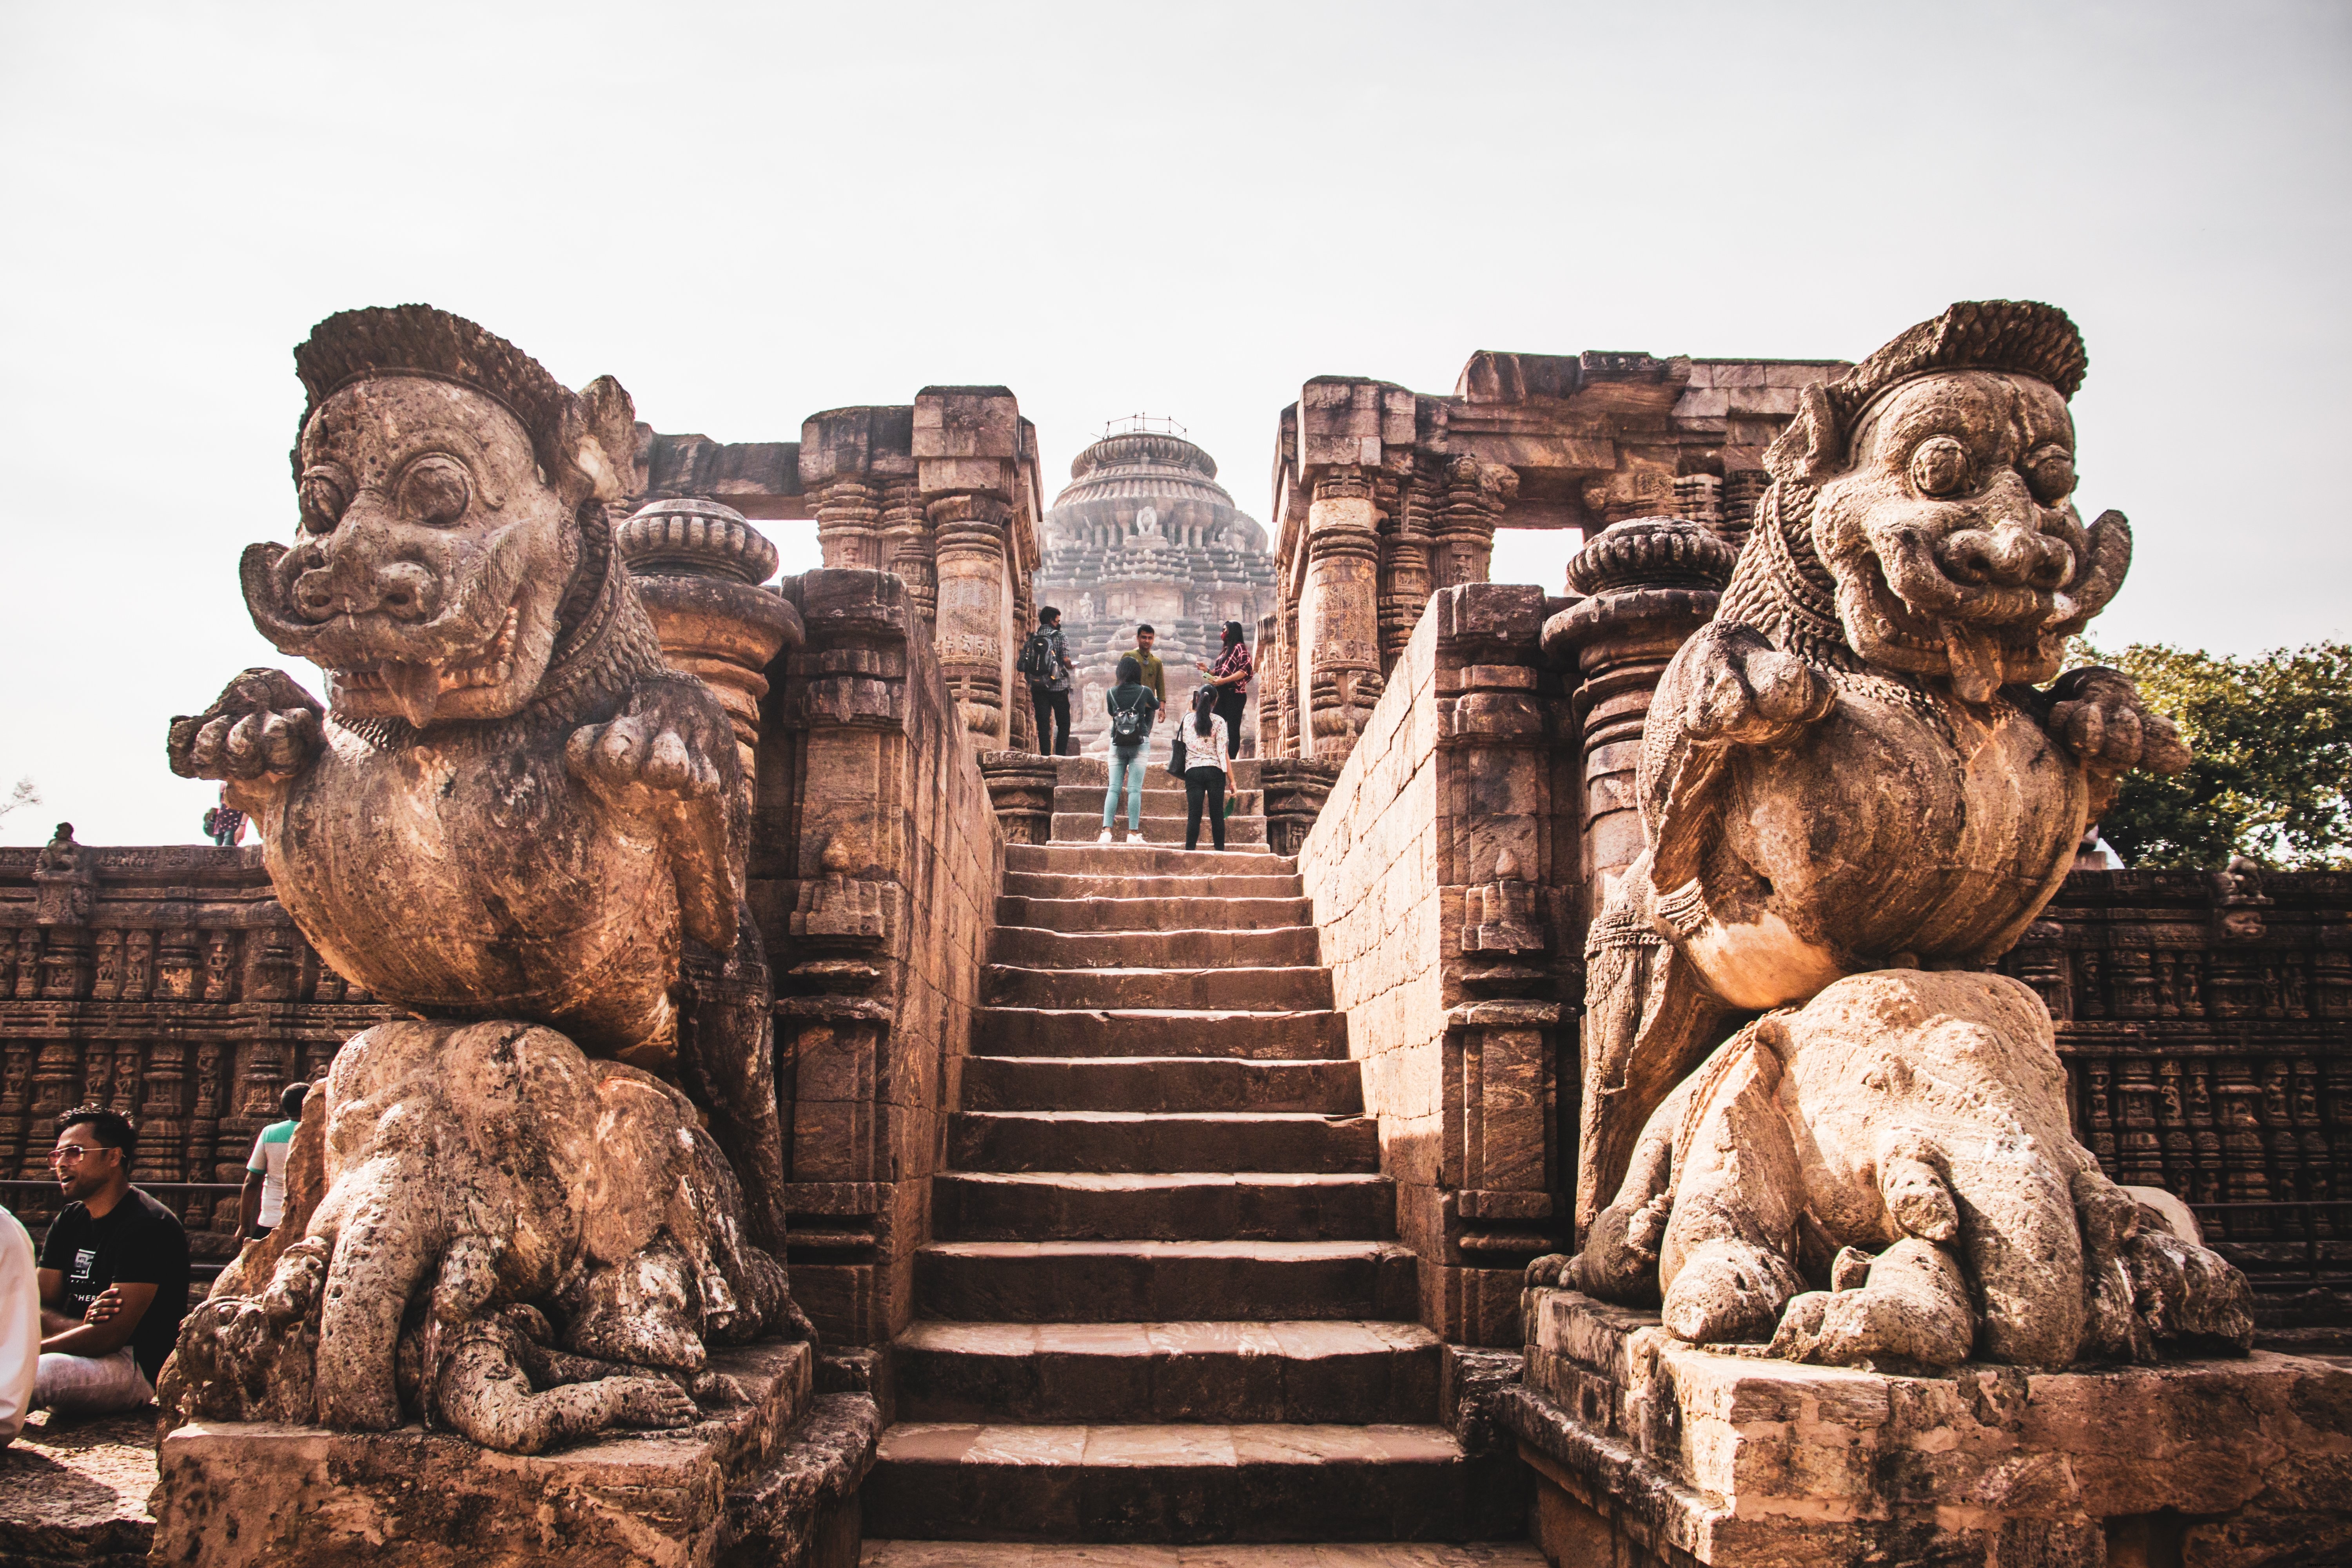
(323, 495)
(435, 491)
(2051, 473)
(1939, 465)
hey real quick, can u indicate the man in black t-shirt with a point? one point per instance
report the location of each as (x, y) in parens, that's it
(113, 1273)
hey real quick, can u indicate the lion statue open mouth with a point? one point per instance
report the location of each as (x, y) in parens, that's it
(509, 819)
(1854, 797)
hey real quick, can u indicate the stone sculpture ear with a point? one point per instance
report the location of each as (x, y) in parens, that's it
(1804, 452)
(608, 452)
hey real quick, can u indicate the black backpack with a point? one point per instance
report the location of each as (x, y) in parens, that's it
(1128, 725)
(1036, 659)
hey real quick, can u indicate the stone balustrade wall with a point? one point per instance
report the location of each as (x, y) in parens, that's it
(875, 863)
(1442, 868)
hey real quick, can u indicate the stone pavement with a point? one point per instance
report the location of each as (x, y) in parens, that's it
(74, 1492)
(1165, 1304)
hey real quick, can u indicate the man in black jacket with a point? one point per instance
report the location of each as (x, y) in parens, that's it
(1046, 663)
(114, 1274)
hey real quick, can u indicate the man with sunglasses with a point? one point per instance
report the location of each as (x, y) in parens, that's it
(114, 1274)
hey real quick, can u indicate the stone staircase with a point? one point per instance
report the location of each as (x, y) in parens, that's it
(1165, 1304)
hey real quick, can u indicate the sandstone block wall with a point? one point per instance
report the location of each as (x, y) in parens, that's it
(1442, 868)
(876, 858)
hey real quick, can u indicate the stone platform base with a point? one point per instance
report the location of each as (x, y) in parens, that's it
(1651, 1451)
(772, 1483)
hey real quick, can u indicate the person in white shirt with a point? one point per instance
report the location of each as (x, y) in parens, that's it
(20, 1325)
(1208, 768)
(263, 1203)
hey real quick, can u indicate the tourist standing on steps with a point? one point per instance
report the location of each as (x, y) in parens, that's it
(1155, 674)
(1208, 763)
(1046, 664)
(114, 1274)
(1229, 676)
(1131, 705)
(263, 1203)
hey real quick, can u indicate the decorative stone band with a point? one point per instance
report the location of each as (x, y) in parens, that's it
(1020, 787)
(697, 565)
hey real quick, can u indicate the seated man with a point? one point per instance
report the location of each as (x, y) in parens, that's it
(114, 1274)
(263, 1203)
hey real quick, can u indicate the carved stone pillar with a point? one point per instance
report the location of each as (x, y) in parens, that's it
(1405, 578)
(973, 607)
(908, 547)
(1476, 494)
(1021, 788)
(1339, 616)
(697, 567)
(1650, 583)
(1277, 689)
(847, 511)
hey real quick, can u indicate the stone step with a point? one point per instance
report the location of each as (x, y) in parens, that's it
(1320, 1554)
(1148, 889)
(1093, 773)
(1090, 859)
(1162, 796)
(1165, 1205)
(1162, 1282)
(1271, 990)
(1187, 912)
(1187, 1483)
(1162, 1084)
(1065, 1373)
(1166, 948)
(1082, 826)
(1106, 1141)
(1159, 1032)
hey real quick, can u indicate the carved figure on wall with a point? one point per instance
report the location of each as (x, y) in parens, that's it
(509, 808)
(1853, 796)
(65, 887)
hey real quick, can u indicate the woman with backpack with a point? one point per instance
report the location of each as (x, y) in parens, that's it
(1208, 763)
(1131, 705)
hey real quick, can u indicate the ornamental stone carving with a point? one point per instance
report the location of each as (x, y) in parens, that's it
(513, 820)
(1854, 795)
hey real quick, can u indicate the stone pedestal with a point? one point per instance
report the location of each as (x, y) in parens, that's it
(253, 1494)
(1651, 1451)
(1021, 788)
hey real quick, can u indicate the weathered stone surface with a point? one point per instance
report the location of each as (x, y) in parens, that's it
(511, 808)
(1848, 769)
(1666, 1450)
(73, 1493)
(264, 1493)
(993, 1555)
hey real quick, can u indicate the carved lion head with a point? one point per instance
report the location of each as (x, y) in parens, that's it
(452, 498)
(1938, 477)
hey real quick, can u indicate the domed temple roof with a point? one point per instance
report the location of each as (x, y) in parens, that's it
(1144, 534)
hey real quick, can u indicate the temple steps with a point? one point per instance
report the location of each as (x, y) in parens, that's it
(1163, 1205)
(1151, 1281)
(1165, 1304)
(1119, 1141)
(1186, 1482)
(1171, 1084)
(1167, 947)
(1096, 912)
(1273, 989)
(1094, 1373)
(1163, 1032)
(1083, 825)
(1319, 1554)
(1163, 797)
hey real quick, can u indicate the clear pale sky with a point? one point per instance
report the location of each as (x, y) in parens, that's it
(749, 214)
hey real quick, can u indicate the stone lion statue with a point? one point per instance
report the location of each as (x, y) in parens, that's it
(1856, 792)
(509, 808)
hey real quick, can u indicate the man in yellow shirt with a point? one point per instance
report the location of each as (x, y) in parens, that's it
(1153, 676)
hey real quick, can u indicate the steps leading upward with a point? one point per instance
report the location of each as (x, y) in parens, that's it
(1165, 1304)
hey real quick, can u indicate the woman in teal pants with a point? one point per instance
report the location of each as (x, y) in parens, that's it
(1131, 705)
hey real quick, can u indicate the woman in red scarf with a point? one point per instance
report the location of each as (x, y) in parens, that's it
(1230, 674)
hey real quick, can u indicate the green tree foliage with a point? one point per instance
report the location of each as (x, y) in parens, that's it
(2273, 776)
